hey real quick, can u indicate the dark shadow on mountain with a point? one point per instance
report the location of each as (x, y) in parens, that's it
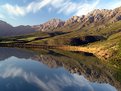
(85, 40)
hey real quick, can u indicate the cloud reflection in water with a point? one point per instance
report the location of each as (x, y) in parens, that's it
(53, 80)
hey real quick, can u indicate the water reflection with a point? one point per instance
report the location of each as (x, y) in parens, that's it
(19, 53)
(44, 73)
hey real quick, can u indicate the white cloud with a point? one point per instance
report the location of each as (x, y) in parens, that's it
(23, 10)
(52, 85)
(62, 6)
(115, 5)
(68, 8)
(53, 82)
(86, 8)
(36, 6)
(2, 16)
(15, 10)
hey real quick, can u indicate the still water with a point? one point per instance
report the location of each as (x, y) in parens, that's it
(23, 70)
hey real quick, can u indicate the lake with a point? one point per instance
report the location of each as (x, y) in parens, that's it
(52, 70)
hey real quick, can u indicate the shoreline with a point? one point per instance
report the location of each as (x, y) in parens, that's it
(98, 52)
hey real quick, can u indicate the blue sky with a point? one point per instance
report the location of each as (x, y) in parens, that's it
(32, 12)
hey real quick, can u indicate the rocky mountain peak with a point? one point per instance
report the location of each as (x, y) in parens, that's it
(73, 20)
(118, 9)
(50, 25)
(4, 24)
(97, 17)
(8, 30)
(54, 22)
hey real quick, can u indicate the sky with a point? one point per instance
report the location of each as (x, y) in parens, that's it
(34, 12)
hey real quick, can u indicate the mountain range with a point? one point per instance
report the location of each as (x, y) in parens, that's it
(98, 29)
(8, 30)
(93, 19)
(98, 33)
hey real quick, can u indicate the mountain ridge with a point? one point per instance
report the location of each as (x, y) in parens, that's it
(8, 30)
(49, 25)
(94, 18)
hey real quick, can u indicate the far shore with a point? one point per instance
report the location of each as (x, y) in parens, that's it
(101, 54)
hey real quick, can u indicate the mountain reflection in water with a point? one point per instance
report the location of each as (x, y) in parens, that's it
(22, 70)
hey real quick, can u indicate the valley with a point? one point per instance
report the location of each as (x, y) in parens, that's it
(97, 33)
(60, 45)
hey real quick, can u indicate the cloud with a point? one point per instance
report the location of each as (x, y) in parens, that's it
(2, 16)
(23, 10)
(12, 72)
(52, 82)
(52, 85)
(67, 7)
(86, 8)
(15, 10)
(78, 8)
(109, 4)
(55, 84)
(115, 5)
(36, 6)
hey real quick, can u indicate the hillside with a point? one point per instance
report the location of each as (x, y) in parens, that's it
(93, 19)
(49, 26)
(99, 28)
(8, 30)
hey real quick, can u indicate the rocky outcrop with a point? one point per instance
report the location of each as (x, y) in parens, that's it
(94, 72)
(49, 26)
(73, 19)
(96, 17)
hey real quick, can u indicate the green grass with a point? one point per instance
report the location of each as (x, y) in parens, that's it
(65, 39)
(27, 37)
(110, 31)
